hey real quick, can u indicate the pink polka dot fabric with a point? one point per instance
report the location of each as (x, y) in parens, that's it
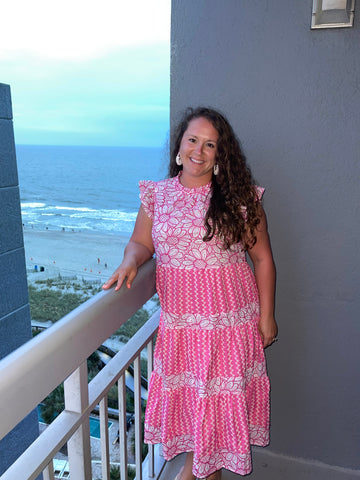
(209, 391)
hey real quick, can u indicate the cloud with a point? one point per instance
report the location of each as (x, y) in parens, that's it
(100, 77)
(81, 28)
(91, 98)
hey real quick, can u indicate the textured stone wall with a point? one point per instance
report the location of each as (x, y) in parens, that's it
(15, 326)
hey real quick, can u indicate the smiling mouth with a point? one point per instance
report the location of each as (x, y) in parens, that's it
(198, 162)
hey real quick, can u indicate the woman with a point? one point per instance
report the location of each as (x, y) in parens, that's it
(209, 392)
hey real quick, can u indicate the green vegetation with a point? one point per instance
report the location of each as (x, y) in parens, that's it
(49, 300)
(144, 446)
(134, 324)
(115, 473)
(88, 287)
(47, 304)
(53, 404)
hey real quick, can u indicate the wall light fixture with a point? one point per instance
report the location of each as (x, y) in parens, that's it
(332, 13)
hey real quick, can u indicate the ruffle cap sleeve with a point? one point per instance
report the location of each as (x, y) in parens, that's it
(147, 197)
(259, 192)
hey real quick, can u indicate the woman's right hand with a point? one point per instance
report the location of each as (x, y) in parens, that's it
(139, 249)
(126, 271)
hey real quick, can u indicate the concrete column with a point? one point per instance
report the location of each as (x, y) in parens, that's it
(292, 95)
(15, 321)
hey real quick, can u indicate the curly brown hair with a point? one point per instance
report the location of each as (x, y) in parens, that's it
(233, 187)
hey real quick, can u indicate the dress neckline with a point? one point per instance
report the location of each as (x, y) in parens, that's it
(202, 189)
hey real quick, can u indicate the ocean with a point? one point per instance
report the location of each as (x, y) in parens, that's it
(88, 189)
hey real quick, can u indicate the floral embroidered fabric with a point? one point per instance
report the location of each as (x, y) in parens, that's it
(209, 392)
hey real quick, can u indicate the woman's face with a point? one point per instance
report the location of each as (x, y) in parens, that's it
(198, 152)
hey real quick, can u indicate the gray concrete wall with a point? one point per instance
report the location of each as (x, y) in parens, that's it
(293, 96)
(15, 326)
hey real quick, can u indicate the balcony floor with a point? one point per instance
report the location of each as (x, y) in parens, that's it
(268, 466)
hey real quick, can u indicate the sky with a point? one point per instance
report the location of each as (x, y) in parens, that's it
(85, 72)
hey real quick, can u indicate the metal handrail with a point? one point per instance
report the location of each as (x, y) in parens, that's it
(59, 352)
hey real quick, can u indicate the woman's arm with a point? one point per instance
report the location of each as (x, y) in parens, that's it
(139, 249)
(264, 270)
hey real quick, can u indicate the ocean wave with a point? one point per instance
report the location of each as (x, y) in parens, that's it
(55, 217)
(109, 215)
(32, 205)
(78, 209)
(52, 199)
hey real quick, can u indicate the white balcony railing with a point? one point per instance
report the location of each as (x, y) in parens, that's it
(59, 355)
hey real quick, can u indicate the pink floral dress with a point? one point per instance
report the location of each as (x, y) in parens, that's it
(209, 391)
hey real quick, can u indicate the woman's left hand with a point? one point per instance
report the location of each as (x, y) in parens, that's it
(268, 331)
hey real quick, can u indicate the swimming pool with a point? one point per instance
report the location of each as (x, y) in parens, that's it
(94, 424)
(95, 427)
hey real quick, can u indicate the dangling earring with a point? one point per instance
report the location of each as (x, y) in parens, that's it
(216, 169)
(178, 159)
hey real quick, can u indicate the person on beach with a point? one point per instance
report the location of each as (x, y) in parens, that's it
(209, 391)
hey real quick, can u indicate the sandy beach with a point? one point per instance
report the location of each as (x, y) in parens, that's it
(91, 256)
